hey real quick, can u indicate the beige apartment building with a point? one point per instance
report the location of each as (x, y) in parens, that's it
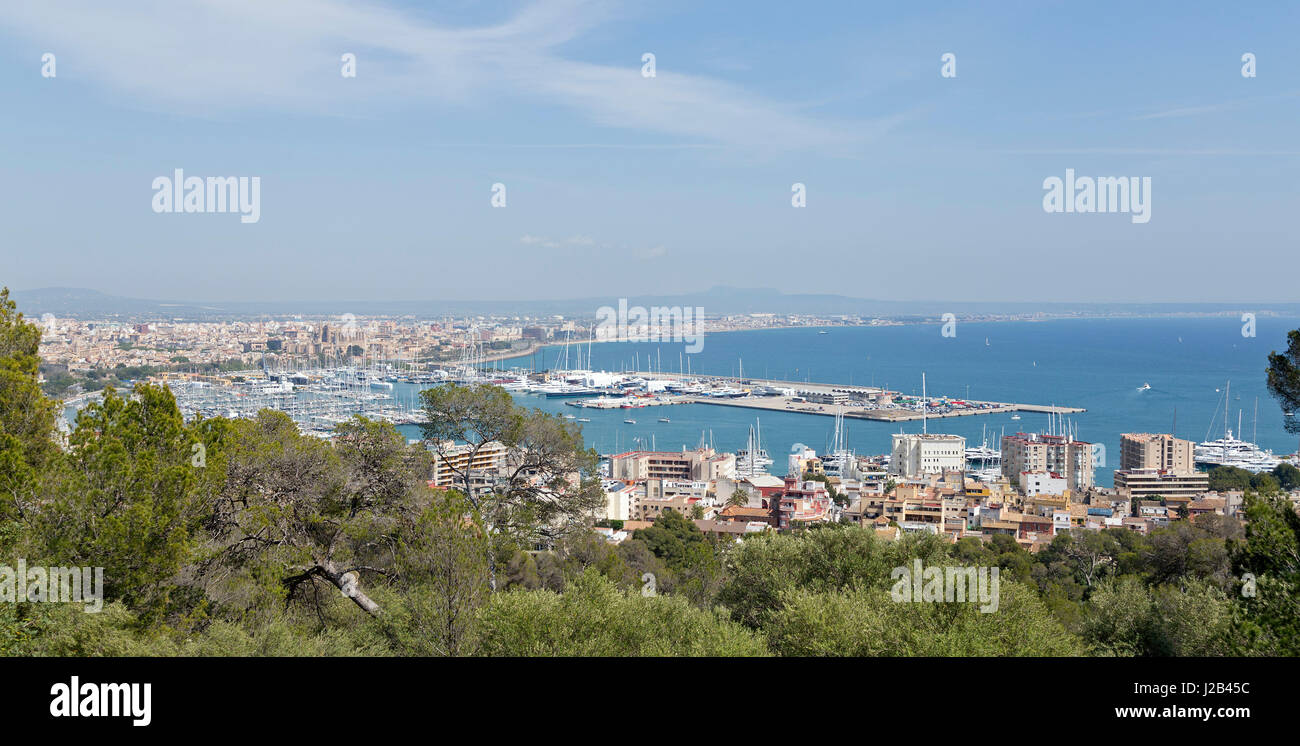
(1036, 452)
(1160, 451)
(648, 508)
(702, 465)
(482, 465)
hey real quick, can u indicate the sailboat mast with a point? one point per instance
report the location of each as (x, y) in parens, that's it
(1254, 432)
(924, 406)
(1227, 398)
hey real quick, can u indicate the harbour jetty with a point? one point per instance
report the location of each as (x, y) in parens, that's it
(858, 402)
(800, 405)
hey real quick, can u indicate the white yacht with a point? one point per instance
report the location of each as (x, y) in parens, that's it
(984, 453)
(752, 460)
(1231, 451)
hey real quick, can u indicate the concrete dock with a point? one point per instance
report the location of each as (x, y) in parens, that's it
(789, 404)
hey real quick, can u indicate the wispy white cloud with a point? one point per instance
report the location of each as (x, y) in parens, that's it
(1189, 111)
(1150, 151)
(210, 56)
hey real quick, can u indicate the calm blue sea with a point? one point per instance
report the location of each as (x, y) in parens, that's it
(1098, 364)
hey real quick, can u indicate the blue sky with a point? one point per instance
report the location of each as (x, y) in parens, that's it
(919, 187)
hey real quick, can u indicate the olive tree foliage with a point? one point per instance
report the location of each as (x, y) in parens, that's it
(305, 516)
(1268, 561)
(594, 617)
(866, 621)
(1125, 617)
(63, 630)
(764, 568)
(442, 563)
(1284, 379)
(27, 435)
(547, 487)
(125, 497)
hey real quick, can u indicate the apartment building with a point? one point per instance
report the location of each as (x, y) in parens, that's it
(657, 488)
(914, 455)
(1147, 483)
(646, 508)
(455, 459)
(619, 499)
(1059, 454)
(803, 460)
(1159, 451)
(1034, 483)
(702, 465)
(801, 504)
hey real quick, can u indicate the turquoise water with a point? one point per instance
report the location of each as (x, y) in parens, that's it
(1097, 364)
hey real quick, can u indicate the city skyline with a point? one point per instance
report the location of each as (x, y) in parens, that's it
(379, 187)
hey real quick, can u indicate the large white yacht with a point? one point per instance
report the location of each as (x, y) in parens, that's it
(1231, 451)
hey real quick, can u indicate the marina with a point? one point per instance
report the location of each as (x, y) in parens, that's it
(598, 392)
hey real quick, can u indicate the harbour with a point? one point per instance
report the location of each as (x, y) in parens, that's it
(1016, 383)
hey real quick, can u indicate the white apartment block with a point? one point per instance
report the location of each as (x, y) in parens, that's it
(915, 455)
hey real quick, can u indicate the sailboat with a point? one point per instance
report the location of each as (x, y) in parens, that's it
(752, 460)
(840, 462)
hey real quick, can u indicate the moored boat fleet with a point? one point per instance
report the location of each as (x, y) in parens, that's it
(1232, 451)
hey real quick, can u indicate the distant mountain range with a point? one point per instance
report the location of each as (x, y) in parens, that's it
(86, 303)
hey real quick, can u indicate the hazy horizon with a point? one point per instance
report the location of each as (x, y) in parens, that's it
(714, 302)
